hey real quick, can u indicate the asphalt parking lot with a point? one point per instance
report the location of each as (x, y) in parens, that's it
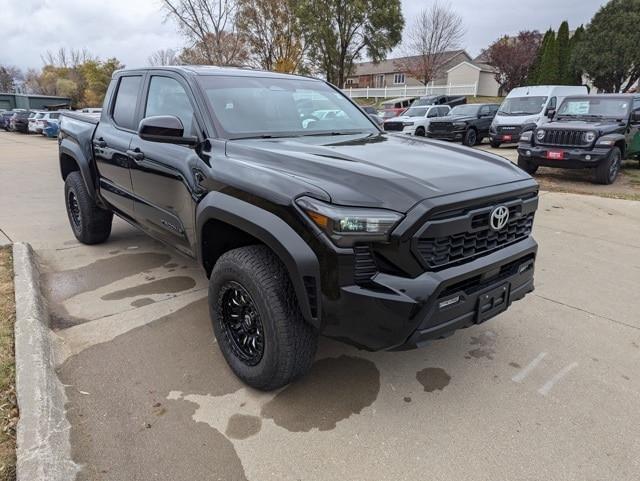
(547, 391)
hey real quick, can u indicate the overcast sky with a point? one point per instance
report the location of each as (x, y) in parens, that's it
(133, 29)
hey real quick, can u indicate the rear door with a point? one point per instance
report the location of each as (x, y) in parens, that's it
(111, 143)
(165, 176)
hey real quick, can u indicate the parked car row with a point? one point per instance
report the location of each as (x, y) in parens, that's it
(41, 122)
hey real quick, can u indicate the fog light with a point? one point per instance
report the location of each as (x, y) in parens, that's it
(449, 302)
(528, 153)
(524, 267)
(587, 157)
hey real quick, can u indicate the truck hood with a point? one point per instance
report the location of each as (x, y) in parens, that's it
(378, 170)
(518, 119)
(603, 127)
(405, 118)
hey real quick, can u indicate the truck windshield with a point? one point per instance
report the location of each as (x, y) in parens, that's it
(522, 106)
(416, 112)
(465, 110)
(617, 108)
(248, 107)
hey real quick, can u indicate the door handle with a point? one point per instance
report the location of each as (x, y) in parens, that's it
(136, 154)
(101, 143)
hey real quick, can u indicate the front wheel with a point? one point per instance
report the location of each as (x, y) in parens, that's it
(526, 165)
(495, 144)
(256, 319)
(90, 223)
(470, 138)
(608, 169)
(420, 132)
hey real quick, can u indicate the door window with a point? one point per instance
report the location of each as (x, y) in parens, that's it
(124, 109)
(167, 97)
(433, 112)
(484, 110)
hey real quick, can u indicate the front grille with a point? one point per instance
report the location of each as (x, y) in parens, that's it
(393, 126)
(440, 126)
(563, 138)
(509, 129)
(364, 265)
(438, 252)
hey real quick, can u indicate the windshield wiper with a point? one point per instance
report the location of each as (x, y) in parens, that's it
(332, 133)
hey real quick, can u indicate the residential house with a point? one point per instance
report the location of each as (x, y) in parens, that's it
(475, 73)
(389, 73)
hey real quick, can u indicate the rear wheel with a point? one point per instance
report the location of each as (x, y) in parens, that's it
(90, 223)
(470, 138)
(608, 169)
(527, 165)
(257, 320)
(420, 132)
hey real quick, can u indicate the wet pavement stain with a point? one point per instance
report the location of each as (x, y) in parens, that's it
(135, 371)
(242, 426)
(143, 301)
(333, 390)
(407, 399)
(66, 284)
(515, 364)
(433, 378)
(168, 285)
(486, 341)
(171, 264)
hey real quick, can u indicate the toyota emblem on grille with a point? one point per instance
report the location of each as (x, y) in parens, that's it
(499, 217)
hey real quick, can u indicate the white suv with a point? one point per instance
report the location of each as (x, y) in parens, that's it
(415, 120)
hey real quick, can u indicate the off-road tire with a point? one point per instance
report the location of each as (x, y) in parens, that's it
(470, 138)
(420, 132)
(526, 165)
(608, 169)
(92, 225)
(495, 144)
(289, 342)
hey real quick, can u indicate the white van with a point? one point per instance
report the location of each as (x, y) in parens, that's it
(528, 107)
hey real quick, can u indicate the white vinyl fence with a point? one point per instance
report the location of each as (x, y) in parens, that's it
(406, 91)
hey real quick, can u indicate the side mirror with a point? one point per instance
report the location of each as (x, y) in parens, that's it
(550, 112)
(166, 129)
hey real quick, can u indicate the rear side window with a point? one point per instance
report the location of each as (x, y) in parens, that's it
(124, 109)
(167, 97)
(54, 116)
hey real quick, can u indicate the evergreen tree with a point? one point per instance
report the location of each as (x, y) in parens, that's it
(548, 70)
(534, 72)
(575, 72)
(564, 54)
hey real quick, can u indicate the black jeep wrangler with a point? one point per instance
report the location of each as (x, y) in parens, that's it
(304, 224)
(590, 131)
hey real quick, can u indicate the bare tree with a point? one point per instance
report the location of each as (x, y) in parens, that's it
(163, 57)
(9, 78)
(436, 31)
(64, 58)
(273, 34)
(210, 27)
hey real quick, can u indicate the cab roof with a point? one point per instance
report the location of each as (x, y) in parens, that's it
(212, 70)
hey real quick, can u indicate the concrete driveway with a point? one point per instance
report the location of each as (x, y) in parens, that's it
(547, 391)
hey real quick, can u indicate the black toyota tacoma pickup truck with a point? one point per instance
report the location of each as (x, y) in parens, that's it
(303, 224)
(587, 132)
(467, 123)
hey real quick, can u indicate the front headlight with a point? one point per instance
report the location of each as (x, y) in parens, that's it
(347, 225)
(589, 137)
(459, 124)
(407, 124)
(540, 134)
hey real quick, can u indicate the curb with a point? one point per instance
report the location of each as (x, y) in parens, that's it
(43, 445)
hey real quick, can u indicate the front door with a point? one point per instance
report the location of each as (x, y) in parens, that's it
(633, 133)
(111, 143)
(165, 176)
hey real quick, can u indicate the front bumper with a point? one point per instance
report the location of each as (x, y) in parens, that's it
(573, 158)
(397, 312)
(453, 135)
(505, 138)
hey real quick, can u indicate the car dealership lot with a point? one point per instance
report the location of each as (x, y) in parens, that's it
(545, 391)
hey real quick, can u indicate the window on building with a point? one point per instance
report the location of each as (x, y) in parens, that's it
(398, 78)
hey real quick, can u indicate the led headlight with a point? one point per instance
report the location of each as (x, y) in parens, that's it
(589, 137)
(348, 225)
(459, 124)
(407, 124)
(540, 134)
